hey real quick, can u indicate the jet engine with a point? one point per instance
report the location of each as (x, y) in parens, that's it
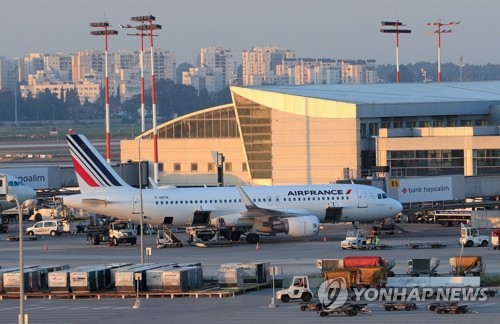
(302, 226)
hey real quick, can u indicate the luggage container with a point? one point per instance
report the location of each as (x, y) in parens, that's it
(91, 279)
(125, 280)
(154, 278)
(175, 280)
(45, 270)
(253, 272)
(59, 281)
(5, 270)
(230, 277)
(11, 281)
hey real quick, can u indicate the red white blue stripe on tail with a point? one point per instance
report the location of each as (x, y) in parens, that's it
(92, 170)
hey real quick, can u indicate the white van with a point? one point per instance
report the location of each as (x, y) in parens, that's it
(52, 227)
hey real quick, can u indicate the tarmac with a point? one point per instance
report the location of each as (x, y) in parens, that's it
(293, 256)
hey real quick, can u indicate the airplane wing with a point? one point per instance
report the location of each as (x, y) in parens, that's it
(254, 211)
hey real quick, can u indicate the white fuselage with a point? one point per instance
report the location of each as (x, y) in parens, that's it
(358, 203)
(16, 188)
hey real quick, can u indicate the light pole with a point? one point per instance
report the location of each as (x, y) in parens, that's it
(438, 24)
(141, 204)
(21, 319)
(396, 31)
(105, 25)
(151, 27)
(141, 62)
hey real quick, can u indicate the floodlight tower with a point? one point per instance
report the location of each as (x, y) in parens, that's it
(141, 63)
(105, 32)
(396, 31)
(151, 27)
(438, 24)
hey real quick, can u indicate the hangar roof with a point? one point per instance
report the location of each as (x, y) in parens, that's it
(394, 93)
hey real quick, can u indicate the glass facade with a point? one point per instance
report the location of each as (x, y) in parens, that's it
(217, 123)
(487, 162)
(255, 123)
(426, 162)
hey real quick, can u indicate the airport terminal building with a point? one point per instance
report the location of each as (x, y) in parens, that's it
(323, 133)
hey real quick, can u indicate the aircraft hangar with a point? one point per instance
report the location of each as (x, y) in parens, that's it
(323, 133)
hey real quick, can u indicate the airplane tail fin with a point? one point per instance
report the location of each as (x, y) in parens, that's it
(92, 170)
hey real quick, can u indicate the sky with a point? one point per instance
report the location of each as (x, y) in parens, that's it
(339, 29)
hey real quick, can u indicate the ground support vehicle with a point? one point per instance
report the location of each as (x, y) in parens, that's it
(47, 227)
(311, 306)
(206, 236)
(495, 239)
(491, 292)
(346, 309)
(452, 216)
(374, 247)
(434, 245)
(423, 266)
(298, 289)
(12, 215)
(114, 233)
(456, 309)
(433, 306)
(466, 265)
(354, 239)
(166, 238)
(357, 261)
(15, 238)
(407, 306)
(349, 309)
(470, 236)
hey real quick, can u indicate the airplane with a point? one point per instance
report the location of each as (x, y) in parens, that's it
(296, 210)
(10, 185)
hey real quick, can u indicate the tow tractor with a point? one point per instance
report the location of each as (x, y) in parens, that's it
(299, 289)
(354, 239)
(469, 236)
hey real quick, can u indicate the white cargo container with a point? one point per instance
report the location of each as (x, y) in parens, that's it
(231, 277)
(154, 281)
(125, 279)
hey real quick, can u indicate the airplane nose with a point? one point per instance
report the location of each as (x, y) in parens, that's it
(397, 207)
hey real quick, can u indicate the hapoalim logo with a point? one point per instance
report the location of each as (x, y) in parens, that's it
(333, 293)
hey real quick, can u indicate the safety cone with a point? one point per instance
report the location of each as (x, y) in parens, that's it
(324, 238)
(46, 248)
(257, 246)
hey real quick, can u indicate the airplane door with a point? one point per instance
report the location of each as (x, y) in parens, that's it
(361, 198)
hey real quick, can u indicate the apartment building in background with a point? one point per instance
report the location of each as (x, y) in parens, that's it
(217, 69)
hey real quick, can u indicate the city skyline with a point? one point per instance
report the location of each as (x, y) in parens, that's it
(320, 28)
